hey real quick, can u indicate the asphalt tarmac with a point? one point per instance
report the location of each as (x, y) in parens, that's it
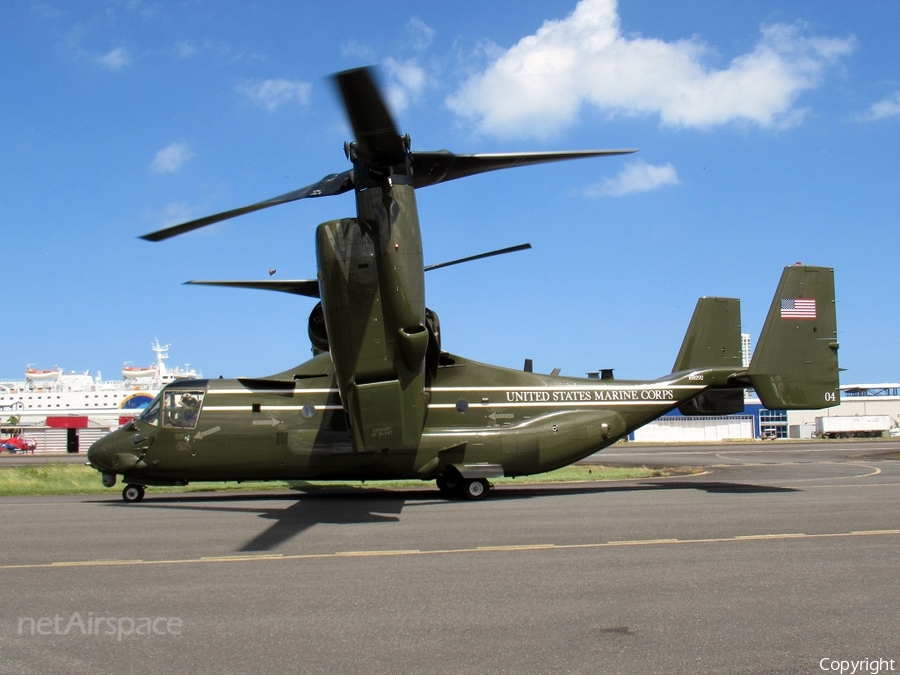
(781, 558)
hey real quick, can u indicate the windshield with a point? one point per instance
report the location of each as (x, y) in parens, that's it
(151, 413)
(181, 407)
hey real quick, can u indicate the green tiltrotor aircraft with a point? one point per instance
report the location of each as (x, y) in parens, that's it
(380, 399)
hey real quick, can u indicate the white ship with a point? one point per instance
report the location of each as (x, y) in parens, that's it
(81, 404)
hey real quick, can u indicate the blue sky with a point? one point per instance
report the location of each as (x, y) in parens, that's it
(768, 134)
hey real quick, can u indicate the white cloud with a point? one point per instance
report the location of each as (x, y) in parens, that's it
(407, 80)
(171, 158)
(185, 50)
(889, 107)
(635, 177)
(273, 93)
(46, 10)
(146, 10)
(350, 49)
(537, 87)
(117, 59)
(420, 34)
(172, 213)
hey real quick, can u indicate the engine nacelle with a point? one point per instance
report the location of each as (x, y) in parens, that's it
(433, 324)
(318, 333)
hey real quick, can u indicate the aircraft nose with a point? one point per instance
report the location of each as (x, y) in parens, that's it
(100, 455)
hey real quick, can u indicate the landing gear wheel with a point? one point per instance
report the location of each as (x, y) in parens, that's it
(475, 489)
(133, 493)
(448, 485)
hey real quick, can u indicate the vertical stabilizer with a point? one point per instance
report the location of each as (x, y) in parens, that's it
(713, 340)
(795, 363)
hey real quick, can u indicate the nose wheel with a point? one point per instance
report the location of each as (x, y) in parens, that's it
(133, 493)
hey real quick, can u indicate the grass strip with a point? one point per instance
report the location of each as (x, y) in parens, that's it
(76, 479)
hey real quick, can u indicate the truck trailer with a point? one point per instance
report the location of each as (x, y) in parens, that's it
(853, 426)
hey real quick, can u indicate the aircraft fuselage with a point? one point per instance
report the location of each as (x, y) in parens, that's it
(294, 426)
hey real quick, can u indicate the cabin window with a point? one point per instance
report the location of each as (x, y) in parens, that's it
(181, 408)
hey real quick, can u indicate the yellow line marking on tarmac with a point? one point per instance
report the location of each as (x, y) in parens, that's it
(254, 557)
(643, 542)
(517, 547)
(357, 554)
(874, 471)
(786, 535)
(77, 563)
(229, 558)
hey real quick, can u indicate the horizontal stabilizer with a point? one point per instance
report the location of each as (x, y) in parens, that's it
(715, 402)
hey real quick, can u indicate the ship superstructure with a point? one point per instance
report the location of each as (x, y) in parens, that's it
(45, 395)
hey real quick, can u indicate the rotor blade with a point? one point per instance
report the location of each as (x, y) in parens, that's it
(430, 168)
(511, 249)
(332, 184)
(373, 127)
(310, 287)
(307, 287)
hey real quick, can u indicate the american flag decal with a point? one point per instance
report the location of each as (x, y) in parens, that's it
(798, 308)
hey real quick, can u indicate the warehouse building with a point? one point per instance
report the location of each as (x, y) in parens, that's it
(756, 422)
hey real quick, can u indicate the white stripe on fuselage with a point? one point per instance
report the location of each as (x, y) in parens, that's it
(548, 396)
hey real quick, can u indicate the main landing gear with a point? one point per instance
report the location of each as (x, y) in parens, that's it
(133, 493)
(474, 489)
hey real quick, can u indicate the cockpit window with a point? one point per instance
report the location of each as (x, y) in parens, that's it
(181, 408)
(151, 412)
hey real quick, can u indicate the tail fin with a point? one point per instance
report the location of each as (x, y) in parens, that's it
(713, 340)
(795, 364)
